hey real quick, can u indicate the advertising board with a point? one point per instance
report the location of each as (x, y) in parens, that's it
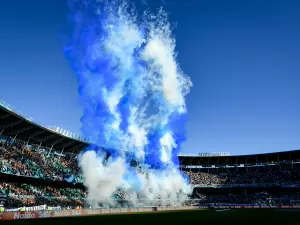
(17, 215)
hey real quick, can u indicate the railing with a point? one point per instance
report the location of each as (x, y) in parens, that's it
(61, 131)
(247, 185)
(14, 201)
(10, 108)
(203, 154)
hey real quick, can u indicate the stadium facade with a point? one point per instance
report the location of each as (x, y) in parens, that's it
(21, 131)
(260, 178)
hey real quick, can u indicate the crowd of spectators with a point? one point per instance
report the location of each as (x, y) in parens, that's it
(25, 194)
(44, 165)
(250, 197)
(234, 198)
(39, 164)
(253, 176)
(47, 165)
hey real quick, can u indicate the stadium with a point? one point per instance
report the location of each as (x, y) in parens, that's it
(116, 76)
(39, 173)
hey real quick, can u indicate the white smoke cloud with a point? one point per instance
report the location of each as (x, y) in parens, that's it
(101, 180)
(161, 82)
(104, 179)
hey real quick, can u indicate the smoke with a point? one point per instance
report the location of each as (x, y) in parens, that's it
(101, 180)
(133, 95)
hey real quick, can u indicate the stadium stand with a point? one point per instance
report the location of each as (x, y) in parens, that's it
(38, 167)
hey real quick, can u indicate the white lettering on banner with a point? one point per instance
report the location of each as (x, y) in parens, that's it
(35, 208)
(93, 212)
(76, 213)
(44, 214)
(20, 216)
(105, 211)
(61, 213)
(115, 210)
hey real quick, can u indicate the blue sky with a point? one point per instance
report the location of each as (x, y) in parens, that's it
(242, 56)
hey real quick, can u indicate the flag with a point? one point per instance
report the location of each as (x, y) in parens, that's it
(70, 179)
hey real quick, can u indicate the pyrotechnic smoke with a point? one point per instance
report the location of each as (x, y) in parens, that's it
(133, 94)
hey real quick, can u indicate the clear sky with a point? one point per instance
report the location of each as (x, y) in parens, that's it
(242, 56)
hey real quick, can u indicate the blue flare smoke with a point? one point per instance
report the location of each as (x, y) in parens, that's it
(131, 87)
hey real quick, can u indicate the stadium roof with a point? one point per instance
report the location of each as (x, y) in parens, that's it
(254, 159)
(17, 127)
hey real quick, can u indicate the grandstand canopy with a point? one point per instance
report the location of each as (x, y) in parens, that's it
(15, 126)
(20, 128)
(254, 159)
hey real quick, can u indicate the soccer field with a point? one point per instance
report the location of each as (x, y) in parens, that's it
(249, 216)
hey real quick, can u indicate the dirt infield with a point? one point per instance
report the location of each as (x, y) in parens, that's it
(232, 217)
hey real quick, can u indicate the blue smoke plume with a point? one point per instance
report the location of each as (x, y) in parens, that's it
(131, 87)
